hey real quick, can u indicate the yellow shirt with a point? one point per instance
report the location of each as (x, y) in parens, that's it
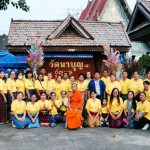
(93, 106)
(33, 108)
(66, 84)
(136, 85)
(11, 85)
(106, 80)
(24, 78)
(70, 84)
(65, 100)
(3, 86)
(104, 110)
(45, 78)
(147, 80)
(125, 107)
(50, 84)
(41, 104)
(58, 88)
(29, 84)
(115, 106)
(144, 107)
(20, 84)
(87, 83)
(40, 85)
(54, 110)
(18, 106)
(124, 86)
(147, 95)
(110, 86)
(82, 86)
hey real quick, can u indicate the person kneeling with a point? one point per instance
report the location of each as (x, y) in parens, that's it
(33, 112)
(45, 108)
(142, 119)
(55, 105)
(18, 108)
(93, 107)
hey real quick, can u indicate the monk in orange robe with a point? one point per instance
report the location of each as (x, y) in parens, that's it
(74, 111)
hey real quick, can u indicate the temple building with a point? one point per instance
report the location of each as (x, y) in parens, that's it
(139, 25)
(114, 11)
(70, 45)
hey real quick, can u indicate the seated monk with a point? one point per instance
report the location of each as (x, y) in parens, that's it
(74, 111)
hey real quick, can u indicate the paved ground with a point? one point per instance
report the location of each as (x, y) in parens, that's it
(59, 138)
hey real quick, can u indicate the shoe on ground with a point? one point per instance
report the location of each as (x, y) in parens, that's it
(145, 127)
(13, 125)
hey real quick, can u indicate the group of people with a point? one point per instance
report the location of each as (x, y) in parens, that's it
(30, 100)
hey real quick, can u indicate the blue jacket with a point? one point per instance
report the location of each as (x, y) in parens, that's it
(91, 87)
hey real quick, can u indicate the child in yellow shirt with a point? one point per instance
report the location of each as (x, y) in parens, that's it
(104, 114)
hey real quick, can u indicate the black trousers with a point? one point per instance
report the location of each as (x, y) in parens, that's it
(141, 123)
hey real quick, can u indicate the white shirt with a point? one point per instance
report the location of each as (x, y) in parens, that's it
(97, 87)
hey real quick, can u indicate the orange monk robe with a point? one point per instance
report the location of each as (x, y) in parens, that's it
(74, 119)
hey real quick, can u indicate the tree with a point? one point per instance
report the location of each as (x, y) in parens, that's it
(20, 4)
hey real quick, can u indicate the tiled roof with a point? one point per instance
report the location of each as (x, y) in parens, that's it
(22, 33)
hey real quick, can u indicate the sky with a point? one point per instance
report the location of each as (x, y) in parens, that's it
(45, 10)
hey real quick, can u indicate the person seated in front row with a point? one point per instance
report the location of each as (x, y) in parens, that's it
(142, 119)
(93, 107)
(45, 108)
(18, 108)
(63, 106)
(33, 112)
(129, 110)
(115, 107)
(104, 114)
(55, 105)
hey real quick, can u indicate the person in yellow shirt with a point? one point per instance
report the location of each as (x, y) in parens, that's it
(142, 119)
(93, 107)
(59, 86)
(20, 83)
(55, 105)
(115, 107)
(88, 78)
(63, 106)
(43, 71)
(105, 78)
(104, 114)
(33, 112)
(29, 85)
(136, 85)
(66, 82)
(148, 76)
(12, 91)
(40, 85)
(111, 85)
(81, 85)
(124, 85)
(3, 100)
(129, 110)
(50, 84)
(45, 108)
(147, 89)
(72, 80)
(18, 108)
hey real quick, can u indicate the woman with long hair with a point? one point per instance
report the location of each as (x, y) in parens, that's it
(129, 110)
(115, 107)
(3, 100)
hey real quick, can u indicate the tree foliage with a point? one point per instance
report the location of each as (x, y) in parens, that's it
(20, 4)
